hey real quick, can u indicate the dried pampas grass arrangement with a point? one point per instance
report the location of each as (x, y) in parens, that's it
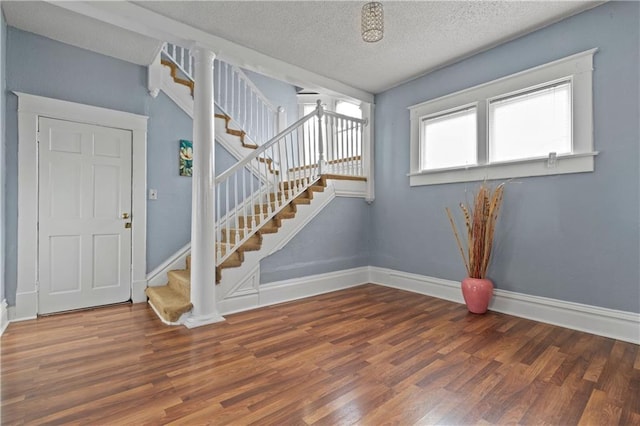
(480, 221)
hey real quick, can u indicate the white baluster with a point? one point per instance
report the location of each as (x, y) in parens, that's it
(347, 156)
(225, 225)
(250, 122)
(252, 201)
(320, 140)
(361, 152)
(218, 221)
(302, 146)
(185, 58)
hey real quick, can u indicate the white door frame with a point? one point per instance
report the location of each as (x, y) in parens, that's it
(30, 107)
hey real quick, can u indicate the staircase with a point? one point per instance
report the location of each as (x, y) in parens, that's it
(173, 300)
(264, 188)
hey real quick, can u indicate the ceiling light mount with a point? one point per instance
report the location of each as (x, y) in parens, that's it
(372, 22)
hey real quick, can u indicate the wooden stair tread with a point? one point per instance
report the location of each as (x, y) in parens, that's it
(345, 177)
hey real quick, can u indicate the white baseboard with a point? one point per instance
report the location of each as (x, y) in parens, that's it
(4, 316)
(294, 289)
(26, 307)
(239, 304)
(137, 291)
(429, 286)
(299, 288)
(178, 260)
(611, 323)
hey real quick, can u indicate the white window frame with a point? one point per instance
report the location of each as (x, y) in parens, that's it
(578, 68)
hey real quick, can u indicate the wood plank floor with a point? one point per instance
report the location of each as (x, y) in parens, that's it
(369, 355)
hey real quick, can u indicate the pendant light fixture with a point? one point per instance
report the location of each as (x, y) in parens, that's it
(372, 22)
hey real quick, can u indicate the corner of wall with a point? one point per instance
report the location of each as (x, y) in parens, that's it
(3, 48)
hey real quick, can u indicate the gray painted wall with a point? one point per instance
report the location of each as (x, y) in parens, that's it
(278, 92)
(572, 237)
(336, 239)
(3, 97)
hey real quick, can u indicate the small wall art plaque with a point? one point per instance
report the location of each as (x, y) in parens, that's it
(186, 157)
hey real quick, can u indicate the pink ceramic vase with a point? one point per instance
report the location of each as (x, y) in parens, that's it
(477, 294)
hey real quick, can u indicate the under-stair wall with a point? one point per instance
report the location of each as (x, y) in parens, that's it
(336, 239)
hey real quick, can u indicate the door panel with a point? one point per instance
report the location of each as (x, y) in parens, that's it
(64, 264)
(84, 189)
(106, 182)
(106, 257)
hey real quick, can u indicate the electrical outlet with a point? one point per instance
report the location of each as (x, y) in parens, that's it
(153, 194)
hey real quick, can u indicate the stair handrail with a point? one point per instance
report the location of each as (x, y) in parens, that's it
(264, 147)
(236, 95)
(244, 203)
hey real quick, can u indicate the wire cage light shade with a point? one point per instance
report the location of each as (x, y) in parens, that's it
(372, 22)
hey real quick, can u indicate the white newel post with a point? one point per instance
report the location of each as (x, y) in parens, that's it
(321, 162)
(367, 149)
(281, 116)
(203, 248)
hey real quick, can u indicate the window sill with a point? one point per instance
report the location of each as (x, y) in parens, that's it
(570, 163)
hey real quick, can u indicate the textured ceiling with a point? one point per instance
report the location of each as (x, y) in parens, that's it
(320, 36)
(324, 36)
(68, 27)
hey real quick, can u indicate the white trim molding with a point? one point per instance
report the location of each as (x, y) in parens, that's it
(30, 107)
(611, 323)
(4, 316)
(576, 69)
(299, 288)
(178, 260)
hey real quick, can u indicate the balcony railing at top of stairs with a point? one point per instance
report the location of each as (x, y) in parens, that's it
(235, 95)
(319, 143)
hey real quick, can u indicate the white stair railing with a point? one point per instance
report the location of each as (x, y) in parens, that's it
(240, 99)
(235, 95)
(289, 163)
(344, 145)
(244, 202)
(181, 58)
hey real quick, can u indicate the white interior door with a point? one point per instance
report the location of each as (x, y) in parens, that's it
(84, 244)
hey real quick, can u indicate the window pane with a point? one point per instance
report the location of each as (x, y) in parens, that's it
(308, 108)
(449, 140)
(347, 108)
(532, 124)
